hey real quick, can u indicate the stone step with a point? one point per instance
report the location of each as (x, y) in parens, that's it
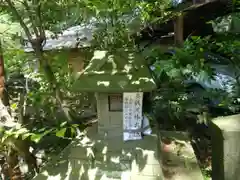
(91, 158)
(178, 160)
(94, 158)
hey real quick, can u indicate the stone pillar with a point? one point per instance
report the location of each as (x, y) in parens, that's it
(226, 148)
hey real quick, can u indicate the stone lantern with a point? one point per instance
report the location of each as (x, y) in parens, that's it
(109, 76)
(116, 150)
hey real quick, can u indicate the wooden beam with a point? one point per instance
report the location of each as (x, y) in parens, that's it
(178, 30)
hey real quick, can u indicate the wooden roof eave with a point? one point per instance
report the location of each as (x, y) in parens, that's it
(207, 10)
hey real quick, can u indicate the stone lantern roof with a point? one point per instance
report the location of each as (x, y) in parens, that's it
(121, 71)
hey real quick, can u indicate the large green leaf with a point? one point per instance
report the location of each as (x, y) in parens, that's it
(61, 132)
(36, 137)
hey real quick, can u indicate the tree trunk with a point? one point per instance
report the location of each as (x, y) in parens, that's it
(22, 148)
(44, 64)
(15, 146)
(1, 71)
(3, 92)
(36, 43)
(5, 118)
(13, 167)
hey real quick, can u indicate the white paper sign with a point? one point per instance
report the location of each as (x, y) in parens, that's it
(132, 116)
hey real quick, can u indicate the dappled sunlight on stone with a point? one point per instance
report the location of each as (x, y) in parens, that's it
(131, 55)
(143, 79)
(111, 60)
(114, 72)
(104, 83)
(96, 72)
(136, 82)
(129, 76)
(95, 157)
(128, 67)
(99, 54)
(125, 71)
(122, 84)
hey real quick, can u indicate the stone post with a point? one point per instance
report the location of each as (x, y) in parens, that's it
(226, 148)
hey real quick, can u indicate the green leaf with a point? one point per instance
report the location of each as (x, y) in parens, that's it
(75, 125)
(195, 38)
(47, 132)
(22, 131)
(5, 136)
(61, 132)
(42, 130)
(63, 124)
(25, 136)
(3, 139)
(36, 137)
(14, 106)
(73, 132)
(16, 135)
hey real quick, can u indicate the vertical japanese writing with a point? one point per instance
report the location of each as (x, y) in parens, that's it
(138, 113)
(130, 117)
(132, 111)
(125, 111)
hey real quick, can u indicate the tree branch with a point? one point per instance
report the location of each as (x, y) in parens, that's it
(41, 27)
(25, 3)
(22, 23)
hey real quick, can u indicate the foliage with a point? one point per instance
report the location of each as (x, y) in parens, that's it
(31, 91)
(42, 92)
(172, 99)
(36, 134)
(228, 23)
(117, 21)
(55, 15)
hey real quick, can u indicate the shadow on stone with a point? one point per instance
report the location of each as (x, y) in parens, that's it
(92, 157)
